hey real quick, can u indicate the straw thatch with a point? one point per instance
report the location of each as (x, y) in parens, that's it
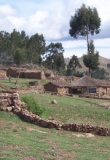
(90, 82)
(14, 71)
(57, 87)
(85, 84)
(24, 73)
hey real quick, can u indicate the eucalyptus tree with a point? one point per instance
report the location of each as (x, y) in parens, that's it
(36, 48)
(91, 59)
(54, 58)
(19, 56)
(73, 63)
(85, 22)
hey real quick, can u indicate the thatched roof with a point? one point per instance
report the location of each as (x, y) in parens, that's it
(90, 82)
(59, 84)
(17, 69)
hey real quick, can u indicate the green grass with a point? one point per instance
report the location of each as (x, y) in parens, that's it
(73, 109)
(22, 83)
(20, 141)
(32, 105)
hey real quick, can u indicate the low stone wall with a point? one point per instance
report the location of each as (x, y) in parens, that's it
(13, 104)
(105, 97)
(35, 119)
(102, 131)
(32, 118)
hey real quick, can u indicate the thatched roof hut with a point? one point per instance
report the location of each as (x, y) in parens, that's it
(35, 74)
(14, 71)
(88, 85)
(57, 87)
(24, 73)
(90, 82)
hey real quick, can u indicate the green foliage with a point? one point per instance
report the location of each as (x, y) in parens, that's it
(91, 60)
(79, 74)
(73, 63)
(18, 48)
(36, 48)
(19, 56)
(99, 73)
(32, 105)
(54, 58)
(85, 22)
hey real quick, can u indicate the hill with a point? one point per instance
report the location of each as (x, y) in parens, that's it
(103, 64)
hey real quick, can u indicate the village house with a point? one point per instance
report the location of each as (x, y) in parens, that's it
(24, 73)
(57, 87)
(14, 71)
(34, 74)
(88, 85)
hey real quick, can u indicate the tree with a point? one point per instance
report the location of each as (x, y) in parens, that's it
(54, 58)
(36, 47)
(99, 73)
(19, 56)
(85, 22)
(73, 63)
(91, 59)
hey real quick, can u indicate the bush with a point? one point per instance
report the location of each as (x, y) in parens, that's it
(32, 105)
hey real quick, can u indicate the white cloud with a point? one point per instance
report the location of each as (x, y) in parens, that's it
(51, 18)
(6, 10)
(79, 47)
(16, 22)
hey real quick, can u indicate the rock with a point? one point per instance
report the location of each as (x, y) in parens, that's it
(3, 108)
(54, 102)
(9, 109)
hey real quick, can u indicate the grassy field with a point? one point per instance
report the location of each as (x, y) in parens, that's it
(23, 141)
(74, 109)
(21, 82)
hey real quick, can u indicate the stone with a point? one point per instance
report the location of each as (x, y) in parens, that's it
(9, 109)
(54, 101)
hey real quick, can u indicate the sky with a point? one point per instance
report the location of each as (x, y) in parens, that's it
(51, 18)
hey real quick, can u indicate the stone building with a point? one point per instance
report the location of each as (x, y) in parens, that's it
(24, 73)
(57, 87)
(88, 85)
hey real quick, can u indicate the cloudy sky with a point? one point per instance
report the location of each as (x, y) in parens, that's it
(51, 18)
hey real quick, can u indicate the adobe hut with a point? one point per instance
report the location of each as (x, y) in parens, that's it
(88, 85)
(35, 74)
(24, 73)
(57, 87)
(14, 72)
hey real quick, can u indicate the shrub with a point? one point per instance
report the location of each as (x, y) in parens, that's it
(32, 105)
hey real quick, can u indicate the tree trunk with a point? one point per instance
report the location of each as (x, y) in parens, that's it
(87, 32)
(89, 74)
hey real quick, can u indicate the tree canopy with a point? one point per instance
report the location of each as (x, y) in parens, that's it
(54, 58)
(91, 59)
(73, 63)
(85, 22)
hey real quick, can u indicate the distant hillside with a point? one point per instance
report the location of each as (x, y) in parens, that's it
(103, 64)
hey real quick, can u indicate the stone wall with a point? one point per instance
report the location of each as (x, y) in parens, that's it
(12, 100)
(32, 118)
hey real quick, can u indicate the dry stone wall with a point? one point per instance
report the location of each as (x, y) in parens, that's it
(12, 100)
